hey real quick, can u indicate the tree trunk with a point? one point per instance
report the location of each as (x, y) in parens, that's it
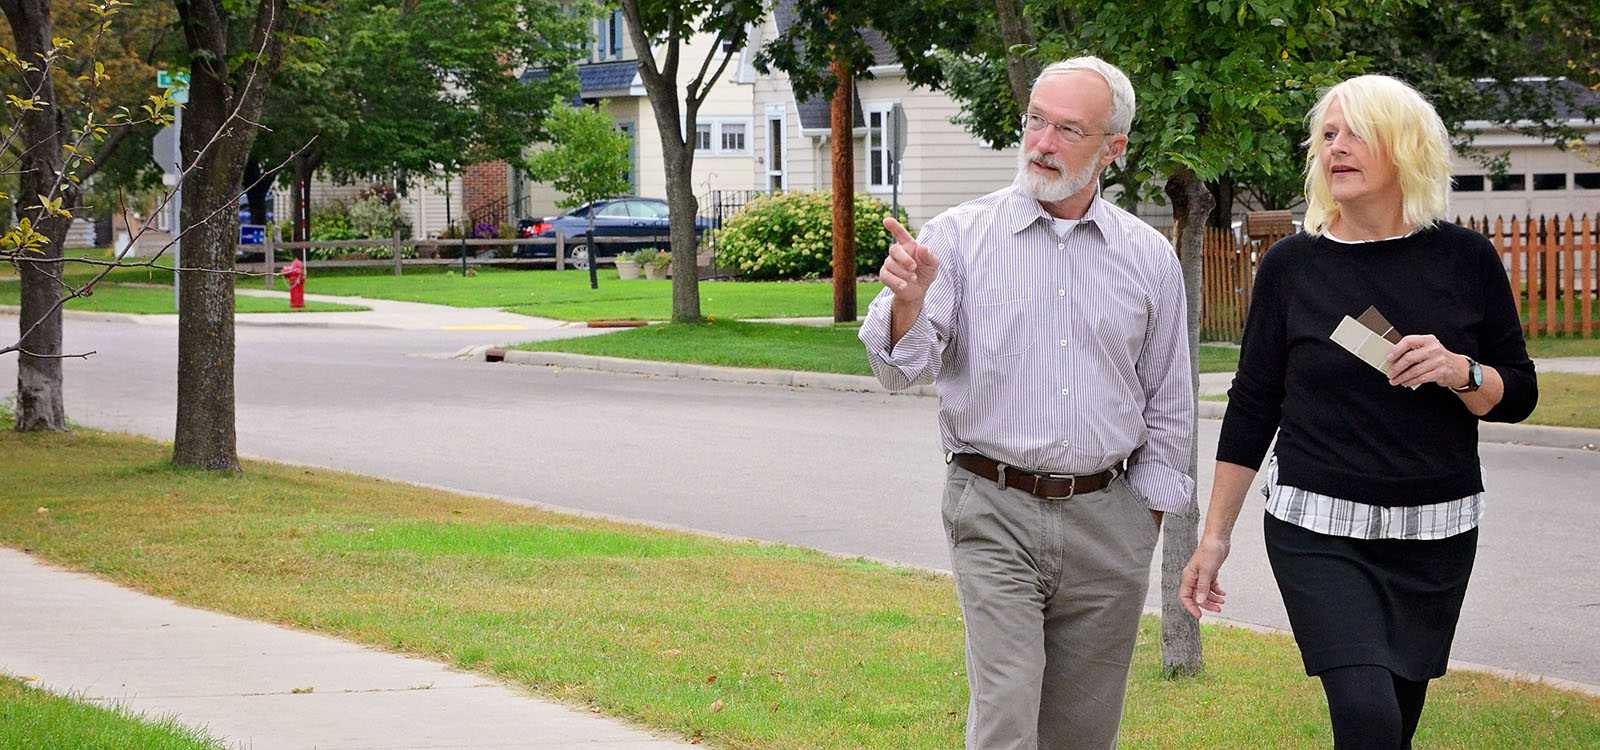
(256, 189)
(1016, 31)
(1222, 193)
(1180, 633)
(681, 209)
(39, 393)
(205, 436)
(844, 195)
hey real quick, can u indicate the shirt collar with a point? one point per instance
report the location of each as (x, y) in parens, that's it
(1025, 211)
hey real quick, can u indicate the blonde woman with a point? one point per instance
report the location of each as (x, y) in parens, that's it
(1374, 490)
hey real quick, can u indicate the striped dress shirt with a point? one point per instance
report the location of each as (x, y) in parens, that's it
(1050, 352)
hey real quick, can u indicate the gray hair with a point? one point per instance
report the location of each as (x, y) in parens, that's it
(1122, 106)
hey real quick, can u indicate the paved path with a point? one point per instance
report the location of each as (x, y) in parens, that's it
(261, 686)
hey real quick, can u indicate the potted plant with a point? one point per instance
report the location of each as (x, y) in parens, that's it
(657, 265)
(627, 265)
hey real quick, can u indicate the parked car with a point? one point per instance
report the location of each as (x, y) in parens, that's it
(620, 225)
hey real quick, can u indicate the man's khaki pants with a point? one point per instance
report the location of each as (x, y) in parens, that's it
(1051, 592)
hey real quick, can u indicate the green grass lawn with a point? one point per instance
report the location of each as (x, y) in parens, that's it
(565, 295)
(1564, 346)
(39, 720)
(785, 347)
(142, 300)
(741, 645)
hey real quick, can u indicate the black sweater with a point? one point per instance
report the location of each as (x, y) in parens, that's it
(1345, 431)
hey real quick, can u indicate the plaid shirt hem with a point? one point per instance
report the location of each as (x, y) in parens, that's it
(1339, 517)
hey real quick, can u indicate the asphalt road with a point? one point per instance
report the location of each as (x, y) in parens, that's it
(849, 473)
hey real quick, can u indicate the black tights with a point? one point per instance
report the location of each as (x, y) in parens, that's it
(1372, 708)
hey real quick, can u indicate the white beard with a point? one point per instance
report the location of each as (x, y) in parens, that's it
(1053, 189)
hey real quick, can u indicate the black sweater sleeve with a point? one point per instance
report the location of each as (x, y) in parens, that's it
(1255, 401)
(1500, 343)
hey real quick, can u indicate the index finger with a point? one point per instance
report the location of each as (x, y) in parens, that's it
(900, 234)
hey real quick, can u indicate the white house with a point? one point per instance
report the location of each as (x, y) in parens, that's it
(610, 80)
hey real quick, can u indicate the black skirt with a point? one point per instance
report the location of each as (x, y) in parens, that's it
(1386, 602)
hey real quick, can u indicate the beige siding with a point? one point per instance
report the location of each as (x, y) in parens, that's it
(1528, 158)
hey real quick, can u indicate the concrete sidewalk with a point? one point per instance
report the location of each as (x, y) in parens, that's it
(261, 686)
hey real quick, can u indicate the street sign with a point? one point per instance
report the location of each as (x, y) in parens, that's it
(164, 148)
(252, 234)
(166, 79)
(897, 119)
(178, 82)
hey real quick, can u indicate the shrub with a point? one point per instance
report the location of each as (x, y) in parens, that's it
(372, 218)
(790, 236)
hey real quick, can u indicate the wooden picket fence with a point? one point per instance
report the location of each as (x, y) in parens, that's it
(1551, 263)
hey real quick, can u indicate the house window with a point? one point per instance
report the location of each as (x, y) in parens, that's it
(627, 128)
(1550, 181)
(733, 136)
(722, 136)
(1467, 183)
(1511, 182)
(616, 34)
(1586, 180)
(775, 136)
(880, 146)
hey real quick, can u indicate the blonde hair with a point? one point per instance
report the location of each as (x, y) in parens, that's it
(1402, 127)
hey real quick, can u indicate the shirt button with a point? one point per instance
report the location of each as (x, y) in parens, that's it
(1061, 292)
(1063, 343)
(1066, 444)
(1061, 245)
(1063, 391)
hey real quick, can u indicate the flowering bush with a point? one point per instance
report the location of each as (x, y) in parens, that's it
(790, 236)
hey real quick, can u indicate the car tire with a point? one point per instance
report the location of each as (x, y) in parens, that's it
(578, 257)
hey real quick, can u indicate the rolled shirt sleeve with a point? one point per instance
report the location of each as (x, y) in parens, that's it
(917, 358)
(1158, 470)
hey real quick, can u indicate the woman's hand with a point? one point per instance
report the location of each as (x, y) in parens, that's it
(1422, 359)
(1200, 589)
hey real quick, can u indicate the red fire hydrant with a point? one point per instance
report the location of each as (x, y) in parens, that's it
(295, 275)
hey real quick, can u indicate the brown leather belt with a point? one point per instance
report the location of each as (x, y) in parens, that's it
(1047, 486)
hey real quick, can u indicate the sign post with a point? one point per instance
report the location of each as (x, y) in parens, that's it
(168, 153)
(897, 151)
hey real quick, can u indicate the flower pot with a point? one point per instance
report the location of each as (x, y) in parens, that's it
(656, 272)
(627, 269)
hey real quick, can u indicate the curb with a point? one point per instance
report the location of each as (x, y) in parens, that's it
(750, 376)
(102, 317)
(1570, 438)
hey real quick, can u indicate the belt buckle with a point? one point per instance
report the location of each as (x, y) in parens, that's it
(1072, 485)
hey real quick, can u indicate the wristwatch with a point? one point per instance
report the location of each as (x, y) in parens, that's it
(1474, 377)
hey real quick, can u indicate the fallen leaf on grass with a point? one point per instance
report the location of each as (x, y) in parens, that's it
(717, 706)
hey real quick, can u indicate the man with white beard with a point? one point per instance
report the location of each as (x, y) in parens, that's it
(1053, 327)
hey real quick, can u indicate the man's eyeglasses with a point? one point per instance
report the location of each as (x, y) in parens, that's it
(1068, 133)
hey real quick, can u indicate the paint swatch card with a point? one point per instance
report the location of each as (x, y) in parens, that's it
(1370, 337)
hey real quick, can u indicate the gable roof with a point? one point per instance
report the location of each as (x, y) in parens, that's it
(1573, 101)
(815, 112)
(595, 80)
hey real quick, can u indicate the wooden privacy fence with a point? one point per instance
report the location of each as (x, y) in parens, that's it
(1551, 264)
